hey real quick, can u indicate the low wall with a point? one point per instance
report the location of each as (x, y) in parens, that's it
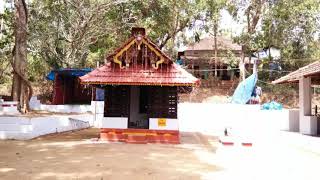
(192, 117)
(66, 108)
(244, 119)
(22, 128)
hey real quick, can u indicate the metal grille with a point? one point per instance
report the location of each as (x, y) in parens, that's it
(117, 101)
(163, 102)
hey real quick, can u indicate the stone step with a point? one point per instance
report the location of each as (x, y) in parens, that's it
(136, 139)
(138, 136)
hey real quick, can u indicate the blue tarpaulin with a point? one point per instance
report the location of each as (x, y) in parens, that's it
(68, 71)
(243, 92)
(272, 106)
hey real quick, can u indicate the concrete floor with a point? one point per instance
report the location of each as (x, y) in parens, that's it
(76, 155)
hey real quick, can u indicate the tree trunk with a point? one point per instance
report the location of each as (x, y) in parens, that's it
(21, 88)
(215, 48)
(242, 64)
(251, 28)
(16, 88)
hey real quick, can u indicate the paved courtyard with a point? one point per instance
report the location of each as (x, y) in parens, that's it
(76, 155)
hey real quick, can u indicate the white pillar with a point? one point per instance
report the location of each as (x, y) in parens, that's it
(98, 112)
(1, 108)
(305, 96)
(308, 123)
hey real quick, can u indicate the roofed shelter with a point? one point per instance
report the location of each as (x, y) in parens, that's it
(67, 88)
(305, 76)
(140, 83)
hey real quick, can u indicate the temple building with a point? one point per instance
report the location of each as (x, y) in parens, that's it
(141, 98)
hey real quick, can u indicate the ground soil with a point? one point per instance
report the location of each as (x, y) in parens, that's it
(77, 155)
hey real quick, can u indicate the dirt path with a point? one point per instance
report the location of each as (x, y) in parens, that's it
(75, 155)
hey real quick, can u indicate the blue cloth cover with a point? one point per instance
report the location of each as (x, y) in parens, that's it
(68, 71)
(272, 106)
(243, 92)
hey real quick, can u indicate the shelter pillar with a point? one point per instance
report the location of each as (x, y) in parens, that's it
(308, 123)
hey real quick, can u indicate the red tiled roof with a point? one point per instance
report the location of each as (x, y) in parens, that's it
(172, 75)
(306, 71)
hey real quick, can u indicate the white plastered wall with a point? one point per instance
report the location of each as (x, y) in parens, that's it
(163, 124)
(66, 108)
(115, 122)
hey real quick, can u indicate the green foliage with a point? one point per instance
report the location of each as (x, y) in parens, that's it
(6, 45)
(290, 26)
(232, 60)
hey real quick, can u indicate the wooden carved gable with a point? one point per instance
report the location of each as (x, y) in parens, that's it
(139, 51)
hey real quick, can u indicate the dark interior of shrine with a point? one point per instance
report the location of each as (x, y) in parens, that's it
(139, 103)
(68, 90)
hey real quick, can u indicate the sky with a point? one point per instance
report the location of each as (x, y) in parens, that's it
(227, 22)
(1, 6)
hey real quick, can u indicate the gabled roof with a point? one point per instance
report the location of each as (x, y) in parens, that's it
(312, 69)
(207, 43)
(146, 71)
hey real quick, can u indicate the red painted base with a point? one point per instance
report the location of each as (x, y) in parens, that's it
(140, 136)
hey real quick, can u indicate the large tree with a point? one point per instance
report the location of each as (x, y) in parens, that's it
(213, 16)
(76, 33)
(250, 12)
(21, 88)
(288, 25)
(294, 31)
(62, 32)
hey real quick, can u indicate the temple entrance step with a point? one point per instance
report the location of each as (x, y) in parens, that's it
(136, 139)
(140, 136)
